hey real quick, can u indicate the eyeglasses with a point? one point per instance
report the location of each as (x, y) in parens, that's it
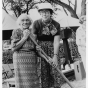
(45, 11)
(25, 20)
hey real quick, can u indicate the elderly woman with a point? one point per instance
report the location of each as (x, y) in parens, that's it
(24, 55)
(81, 39)
(47, 32)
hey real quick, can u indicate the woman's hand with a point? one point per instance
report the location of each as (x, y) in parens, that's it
(26, 33)
(55, 60)
(38, 48)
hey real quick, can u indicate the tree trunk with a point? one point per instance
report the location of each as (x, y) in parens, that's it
(83, 7)
(75, 7)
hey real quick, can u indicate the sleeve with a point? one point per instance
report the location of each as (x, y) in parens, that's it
(58, 29)
(15, 37)
(35, 27)
(57, 26)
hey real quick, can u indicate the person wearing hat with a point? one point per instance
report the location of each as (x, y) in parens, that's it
(47, 33)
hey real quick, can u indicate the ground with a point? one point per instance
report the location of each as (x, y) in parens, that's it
(76, 84)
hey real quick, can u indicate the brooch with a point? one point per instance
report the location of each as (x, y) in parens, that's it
(54, 30)
(46, 31)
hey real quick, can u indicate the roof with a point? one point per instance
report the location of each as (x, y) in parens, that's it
(8, 21)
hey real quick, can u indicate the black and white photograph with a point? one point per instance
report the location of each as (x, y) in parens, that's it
(44, 43)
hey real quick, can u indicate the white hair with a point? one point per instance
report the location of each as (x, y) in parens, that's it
(21, 17)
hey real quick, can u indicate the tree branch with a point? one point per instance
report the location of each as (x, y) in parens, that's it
(4, 7)
(69, 2)
(75, 6)
(69, 8)
(32, 4)
(42, 1)
(14, 10)
(65, 11)
(5, 10)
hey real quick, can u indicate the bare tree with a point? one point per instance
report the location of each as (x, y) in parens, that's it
(5, 3)
(19, 6)
(15, 6)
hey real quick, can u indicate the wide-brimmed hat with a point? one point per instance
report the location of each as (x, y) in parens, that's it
(44, 6)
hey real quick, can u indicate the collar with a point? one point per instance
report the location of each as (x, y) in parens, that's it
(47, 23)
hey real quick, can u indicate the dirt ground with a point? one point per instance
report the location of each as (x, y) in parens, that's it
(76, 84)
